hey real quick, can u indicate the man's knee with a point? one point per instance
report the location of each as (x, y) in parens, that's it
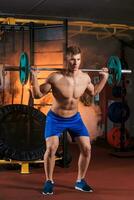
(51, 150)
(86, 150)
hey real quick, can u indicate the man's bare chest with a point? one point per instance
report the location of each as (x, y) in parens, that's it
(70, 87)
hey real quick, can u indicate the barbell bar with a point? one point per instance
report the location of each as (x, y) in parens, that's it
(114, 68)
(15, 68)
(123, 71)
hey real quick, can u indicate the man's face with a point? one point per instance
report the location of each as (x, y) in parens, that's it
(73, 62)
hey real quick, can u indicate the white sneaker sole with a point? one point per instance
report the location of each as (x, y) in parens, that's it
(77, 188)
(47, 193)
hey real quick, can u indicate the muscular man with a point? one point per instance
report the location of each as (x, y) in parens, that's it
(67, 87)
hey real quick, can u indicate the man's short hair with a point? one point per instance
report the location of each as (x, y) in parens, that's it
(73, 50)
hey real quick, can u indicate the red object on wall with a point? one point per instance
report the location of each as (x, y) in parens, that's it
(113, 137)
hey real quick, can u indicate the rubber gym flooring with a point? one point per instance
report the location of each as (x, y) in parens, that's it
(111, 177)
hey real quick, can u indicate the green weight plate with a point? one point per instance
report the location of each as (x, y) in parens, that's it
(24, 68)
(114, 65)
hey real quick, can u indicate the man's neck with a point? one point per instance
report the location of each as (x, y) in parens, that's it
(73, 73)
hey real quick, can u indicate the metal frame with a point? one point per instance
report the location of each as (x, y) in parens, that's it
(24, 164)
(100, 30)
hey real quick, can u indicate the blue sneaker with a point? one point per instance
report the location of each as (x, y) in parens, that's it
(48, 188)
(83, 186)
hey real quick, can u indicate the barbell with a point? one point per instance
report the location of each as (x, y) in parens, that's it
(114, 68)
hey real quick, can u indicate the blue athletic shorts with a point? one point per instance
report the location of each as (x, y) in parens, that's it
(56, 125)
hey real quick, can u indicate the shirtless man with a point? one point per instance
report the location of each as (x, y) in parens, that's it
(67, 87)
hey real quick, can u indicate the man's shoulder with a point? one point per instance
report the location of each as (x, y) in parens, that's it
(55, 75)
(84, 74)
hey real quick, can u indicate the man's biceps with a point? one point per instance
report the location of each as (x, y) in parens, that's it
(90, 86)
(45, 87)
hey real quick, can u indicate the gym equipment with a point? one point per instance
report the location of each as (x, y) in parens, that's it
(114, 68)
(118, 112)
(21, 135)
(114, 64)
(24, 68)
(61, 162)
(114, 137)
(118, 91)
(24, 164)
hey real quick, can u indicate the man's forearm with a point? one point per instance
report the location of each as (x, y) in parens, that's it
(36, 88)
(98, 87)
